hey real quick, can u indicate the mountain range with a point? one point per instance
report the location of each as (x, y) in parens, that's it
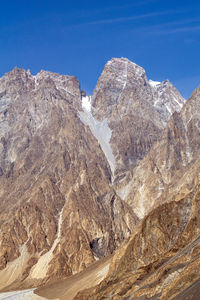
(106, 185)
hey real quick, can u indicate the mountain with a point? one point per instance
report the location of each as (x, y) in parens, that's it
(135, 110)
(171, 165)
(161, 260)
(62, 165)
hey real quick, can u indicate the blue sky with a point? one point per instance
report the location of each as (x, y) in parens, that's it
(79, 37)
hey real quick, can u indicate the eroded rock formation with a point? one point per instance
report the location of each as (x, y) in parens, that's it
(59, 210)
(161, 261)
(170, 167)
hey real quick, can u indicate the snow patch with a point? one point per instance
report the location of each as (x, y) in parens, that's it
(167, 105)
(86, 103)
(154, 83)
(35, 81)
(59, 80)
(20, 295)
(100, 130)
(60, 86)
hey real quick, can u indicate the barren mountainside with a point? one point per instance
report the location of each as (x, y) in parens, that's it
(75, 181)
(169, 169)
(59, 211)
(161, 260)
(135, 108)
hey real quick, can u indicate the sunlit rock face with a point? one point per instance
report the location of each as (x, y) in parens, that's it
(161, 260)
(171, 165)
(135, 109)
(62, 166)
(59, 211)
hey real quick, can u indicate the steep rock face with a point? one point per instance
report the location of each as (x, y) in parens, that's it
(135, 109)
(59, 211)
(171, 165)
(161, 260)
(167, 99)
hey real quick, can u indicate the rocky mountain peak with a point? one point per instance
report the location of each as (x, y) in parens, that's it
(124, 84)
(132, 106)
(118, 76)
(167, 99)
(60, 80)
(161, 261)
(54, 182)
(45, 84)
(17, 79)
(16, 72)
(120, 65)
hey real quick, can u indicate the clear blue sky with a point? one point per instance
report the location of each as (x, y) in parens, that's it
(78, 37)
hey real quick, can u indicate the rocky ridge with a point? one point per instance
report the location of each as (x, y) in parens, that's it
(170, 167)
(59, 207)
(135, 110)
(161, 261)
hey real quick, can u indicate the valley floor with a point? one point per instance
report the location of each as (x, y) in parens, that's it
(20, 295)
(68, 288)
(64, 289)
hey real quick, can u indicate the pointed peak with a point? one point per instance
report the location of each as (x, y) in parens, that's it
(120, 64)
(16, 71)
(124, 60)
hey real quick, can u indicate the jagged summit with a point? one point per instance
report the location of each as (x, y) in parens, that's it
(132, 107)
(120, 74)
(59, 79)
(45, 73)
(121, 65)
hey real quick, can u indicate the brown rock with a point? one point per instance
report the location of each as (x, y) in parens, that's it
(59, 210)
(161, 260)
(56, 199)
(136, 111)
